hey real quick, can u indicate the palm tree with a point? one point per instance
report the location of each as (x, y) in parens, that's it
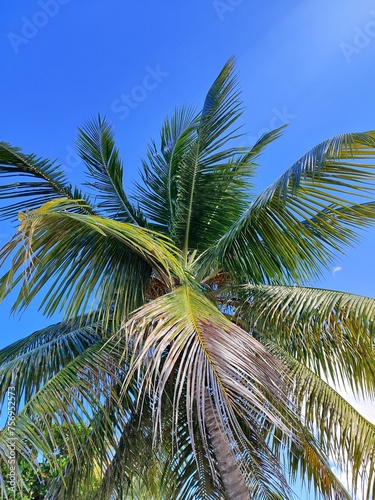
(191, 350)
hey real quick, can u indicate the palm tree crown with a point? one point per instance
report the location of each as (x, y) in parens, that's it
(190, 352)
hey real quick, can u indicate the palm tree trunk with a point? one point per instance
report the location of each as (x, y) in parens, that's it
(230, 473)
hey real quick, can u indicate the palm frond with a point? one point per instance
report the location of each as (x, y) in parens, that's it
(103, 456)
(344, 435)
(211, 173)
(311, 464)
(35, 181)
(68, 402)
(85, 262)
(196, 172)
(183, 331)
(292, 230)
(141, 468)
(156, 194)
(96, 146)
(263, 141)
(129, 464)
(29, 363)
(332, 332)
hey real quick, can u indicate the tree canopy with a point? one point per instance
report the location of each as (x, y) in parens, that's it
(192, 360)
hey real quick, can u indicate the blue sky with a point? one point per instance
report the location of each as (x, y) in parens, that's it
(307, 63)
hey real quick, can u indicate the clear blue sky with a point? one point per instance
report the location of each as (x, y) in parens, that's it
(309, 63)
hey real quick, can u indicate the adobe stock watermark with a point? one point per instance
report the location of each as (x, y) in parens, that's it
(278, 119)
(222, 7)
(31, 26)
(153, 77)
(72, 160)
(11, 444)
(362, 38)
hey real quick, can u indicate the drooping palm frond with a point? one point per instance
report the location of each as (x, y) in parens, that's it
(132, 453)
(35, 181)
(115, 454)
(69, 401)
(29, 363)
(85, 262)
(332, 332)
(301, 459)
(310, 463)
(184, 332)
(346, 437)
(96, 146)
(154, 355)
(291, 230)
(141, 469)
(108, 456)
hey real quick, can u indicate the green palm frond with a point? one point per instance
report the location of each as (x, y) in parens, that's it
(332, 332)
(74, 395)
(127, 463)
(292, 229)
(140, 469)
(196, 172)
(346, 437)
(106, 269)
(212, 174)
(29, 363)
(97, 149)
(35, 181)
(118, 476)
(263, 141)
(156, 195)
(107, 456)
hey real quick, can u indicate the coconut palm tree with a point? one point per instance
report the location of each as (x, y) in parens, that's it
(191, 350)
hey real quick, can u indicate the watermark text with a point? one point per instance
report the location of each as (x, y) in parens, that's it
(125, 103)
(33, 24)
(222, 7)
(11, 445)
(363, 36)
